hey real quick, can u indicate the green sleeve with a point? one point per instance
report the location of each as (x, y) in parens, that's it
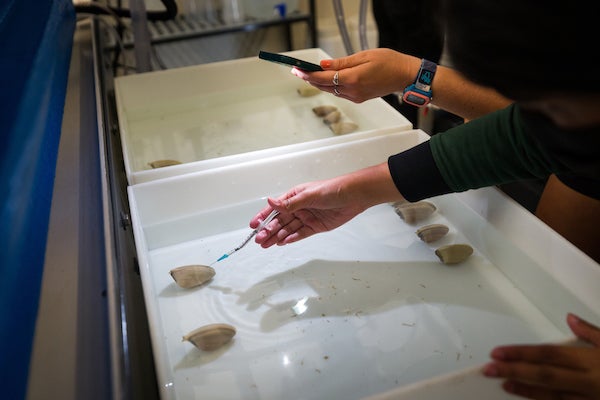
(490, 150)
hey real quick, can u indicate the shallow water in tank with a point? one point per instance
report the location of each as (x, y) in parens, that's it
(368, 300)
(233, 122)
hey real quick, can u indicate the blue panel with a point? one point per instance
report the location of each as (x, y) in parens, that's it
(36, 38)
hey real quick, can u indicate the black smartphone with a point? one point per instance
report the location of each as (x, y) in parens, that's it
(287, 60)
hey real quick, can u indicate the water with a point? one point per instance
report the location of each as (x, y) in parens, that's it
(375, 304)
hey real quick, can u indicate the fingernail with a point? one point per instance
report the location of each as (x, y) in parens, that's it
(325, 63)
(299, 73)
(490, 370)
(498, 354)
(573, 319)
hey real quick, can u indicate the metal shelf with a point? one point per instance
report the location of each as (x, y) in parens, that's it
(185, 27)
(133, 371)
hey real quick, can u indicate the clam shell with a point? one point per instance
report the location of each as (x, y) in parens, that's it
(321, 111)
(163, 163)
(340, 128)
(210, 337)
(454, 253)
(308, 90)
(189, 276)
(332, 117)
(415, 212)
(433, 232)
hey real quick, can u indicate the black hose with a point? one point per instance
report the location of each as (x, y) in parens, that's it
(169, 13)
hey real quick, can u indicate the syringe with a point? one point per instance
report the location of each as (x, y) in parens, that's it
(269, 218)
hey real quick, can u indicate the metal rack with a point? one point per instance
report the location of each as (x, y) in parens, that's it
(132, 364)
(185, 27)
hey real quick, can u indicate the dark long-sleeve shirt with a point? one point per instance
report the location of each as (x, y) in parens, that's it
(505, 146)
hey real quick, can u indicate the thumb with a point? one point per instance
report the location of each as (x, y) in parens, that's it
(584, 330)
(291, 202)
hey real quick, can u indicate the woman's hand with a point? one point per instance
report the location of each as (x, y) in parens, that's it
(551, 371)
(305, 210)
(365, 75)
(321, 206)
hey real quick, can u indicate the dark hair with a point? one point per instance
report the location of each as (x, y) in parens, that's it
(525, 49)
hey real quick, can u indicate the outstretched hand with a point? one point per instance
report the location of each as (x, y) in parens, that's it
(364, 75)
(551, 371)
(324, 205)
(305, 210)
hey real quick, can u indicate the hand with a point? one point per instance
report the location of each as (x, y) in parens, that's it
(551, 371)
(365, 75)
(304, 210)
(324, 205)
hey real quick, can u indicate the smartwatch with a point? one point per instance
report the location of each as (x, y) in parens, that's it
(419, 93)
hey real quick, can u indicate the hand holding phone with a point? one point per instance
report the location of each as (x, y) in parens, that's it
(287, 60)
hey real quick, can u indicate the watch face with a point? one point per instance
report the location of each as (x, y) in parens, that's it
(416, 99)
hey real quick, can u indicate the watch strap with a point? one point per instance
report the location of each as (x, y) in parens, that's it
(419, 93)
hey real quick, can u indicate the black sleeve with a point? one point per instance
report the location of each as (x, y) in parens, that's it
(504, 146)
(416, 174)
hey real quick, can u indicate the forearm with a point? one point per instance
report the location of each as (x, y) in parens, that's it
(454, 93)
(370, 186)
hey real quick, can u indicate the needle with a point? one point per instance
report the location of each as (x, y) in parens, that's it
(252, 234)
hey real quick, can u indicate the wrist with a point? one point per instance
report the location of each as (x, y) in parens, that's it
(410, 69)
(371, 186)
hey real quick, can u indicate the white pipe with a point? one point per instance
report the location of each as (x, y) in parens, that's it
(341, 21)
(362, 25)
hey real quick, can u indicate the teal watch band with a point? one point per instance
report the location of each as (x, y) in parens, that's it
(419, 93)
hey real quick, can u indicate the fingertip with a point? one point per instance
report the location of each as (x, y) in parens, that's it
(325, 64)
(583, 329)
(299, 73)
(274, 202)
(573, 319)
(509, 386)
(498, 353)
(491, 370)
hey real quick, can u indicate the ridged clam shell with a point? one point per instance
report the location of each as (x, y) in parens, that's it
(415, 212)
(340, 128)
(321, 111)
(431, 233)
(454, 253)
(332, 117)
(163, 163)
(189, 276)
(210, 337)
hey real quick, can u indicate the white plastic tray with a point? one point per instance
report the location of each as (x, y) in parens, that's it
(228, 112)
(384, 318)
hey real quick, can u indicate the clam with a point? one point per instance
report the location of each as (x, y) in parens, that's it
(414, 212)
(189, 276)
(308, 90)
(431, 233)
(332, 117)
(454, 253)
(163, 163)
(340, 128)
(210, 337)
(321, 111)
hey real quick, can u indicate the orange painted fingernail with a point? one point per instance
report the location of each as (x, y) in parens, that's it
(325, 63)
